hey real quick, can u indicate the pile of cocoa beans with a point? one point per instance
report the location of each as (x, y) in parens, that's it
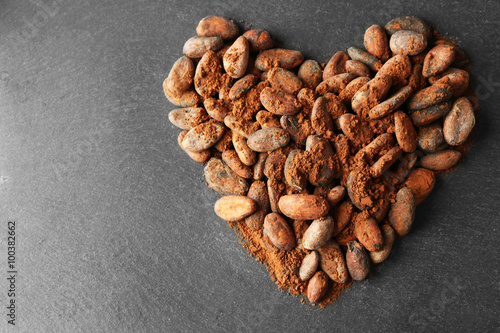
(304, 163)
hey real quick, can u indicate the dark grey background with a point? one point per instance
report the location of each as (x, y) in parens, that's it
(115, 227)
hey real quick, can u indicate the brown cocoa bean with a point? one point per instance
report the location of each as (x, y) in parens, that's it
(321, 120)
(357, 68)
(278, 58)
(385, 162)
(235, 59)
(421, 181)
(335, 195)
(217, 109)
(406, 135)
(309, 266)
(441, 160)
(196, 47)
(379, 256)
(310, 73)
(234, 207)
(216, 26)
(368, 233)
(284, 80)
(402, 212)
(201, 156)
(390, 104)
(376, 42)
(187, 118)
(398, 68)
(181, 75)
(342, 216)
(459, 80)
(202, 137)
(459, 122)
(303, 206)
(430, 137)
(366, 58)
(371, 94)
(242, 86)
(357, 261)
(221, 178)
(279, 102)
(293, 176)
(354, 128)
(438, 59)
(332, 262)
(268, 139)
(430, 114)
(440, 92)
(258, 193)
(274, 190)
(317, 287)
(407, 42)
(259, 39)
(239, 126)
(408, 23)
(258, 167)
(230, 157)
(318, 233)
(185, 99)
(336, 65)
(352, 88)
(279, 232)
(208, 70)
(335, 84)
(246, 155)
(294, 128)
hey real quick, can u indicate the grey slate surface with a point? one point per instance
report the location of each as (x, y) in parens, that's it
(115, 227)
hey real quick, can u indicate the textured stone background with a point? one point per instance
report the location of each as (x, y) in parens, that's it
(115, 227)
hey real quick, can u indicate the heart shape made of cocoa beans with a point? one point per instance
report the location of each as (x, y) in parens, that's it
(321, 166)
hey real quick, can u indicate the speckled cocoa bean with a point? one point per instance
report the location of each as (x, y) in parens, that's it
(368, 233)
(421, 181)
(246, 155)
(385, 162)
(201, 156)
(268, 139)
(398, 68)
(208, 70)
(357, 68)
(187, 118)
(392, 103)
(342, 216)
(258, 167)
(407, 42)
(366, 58)
(440, 92)
(202, 137)
(221, 178)
(235, 59)
(408, 23)
(279, 102)
(335, 84)
(430, 137)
